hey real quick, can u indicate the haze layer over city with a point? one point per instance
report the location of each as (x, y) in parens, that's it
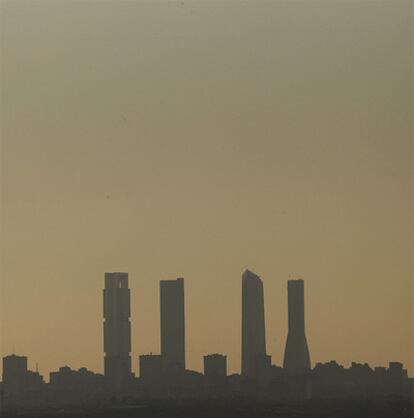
(195, 140)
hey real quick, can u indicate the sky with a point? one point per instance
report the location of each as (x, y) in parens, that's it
(198, 139)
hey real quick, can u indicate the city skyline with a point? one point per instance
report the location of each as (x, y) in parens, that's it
(196, 139)
(165, 377)
(117, 325)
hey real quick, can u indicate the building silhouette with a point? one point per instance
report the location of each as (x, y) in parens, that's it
(164, 376)
(172, 324)
(150, 367)
(215, 366)
(20, 385)
(215, 376)
(253, 322)
(13, 367)
(117, 327)
(14, 371)
(151, 373)
(296, 356)
(68, 386)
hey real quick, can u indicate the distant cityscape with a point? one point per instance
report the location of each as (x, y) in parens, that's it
(165, 376)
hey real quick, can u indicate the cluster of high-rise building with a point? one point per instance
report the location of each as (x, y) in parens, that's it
(254, 358)
(117, 329)
(165, 375)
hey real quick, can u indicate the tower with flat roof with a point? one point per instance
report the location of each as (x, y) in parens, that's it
(117, 327)
(14, 371)
(215, 366)
(253, 322)
(172, 324)
(296, 351)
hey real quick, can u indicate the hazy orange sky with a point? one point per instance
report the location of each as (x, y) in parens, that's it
(198, 139)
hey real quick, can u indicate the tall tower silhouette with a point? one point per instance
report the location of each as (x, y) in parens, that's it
(296, 351)
(253, 322)
(172, 324)
(117, 327)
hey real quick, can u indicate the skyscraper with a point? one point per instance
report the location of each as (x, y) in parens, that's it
(296, 352)
(253, 321)
(117, 327)
(172, 324)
